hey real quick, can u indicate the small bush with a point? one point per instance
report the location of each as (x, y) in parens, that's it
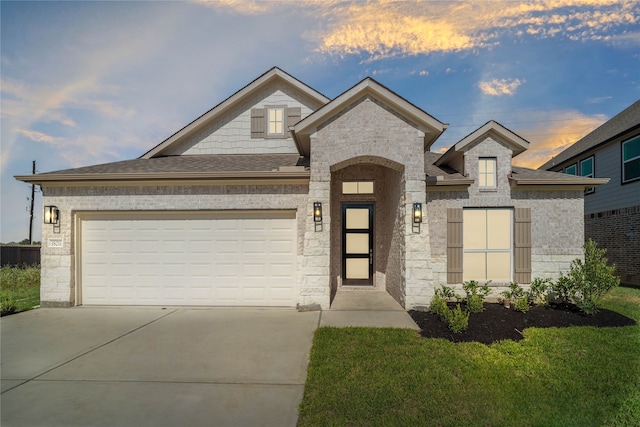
(458, 319)
(519, 298)
(539, 291)
(587, 282)
(475, 295)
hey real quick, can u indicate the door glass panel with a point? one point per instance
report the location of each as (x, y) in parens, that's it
(357, 218)
(357, 268)
(357, 243)
(499, 266)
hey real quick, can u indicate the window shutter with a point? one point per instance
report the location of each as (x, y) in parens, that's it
(258, 122)
(293, 116)
(522, 245)
(454, 245)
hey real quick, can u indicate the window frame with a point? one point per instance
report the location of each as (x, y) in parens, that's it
(488, 250)
(494, 174)
(635, 139)
(574, 166)
(268, 110)
(589, 190)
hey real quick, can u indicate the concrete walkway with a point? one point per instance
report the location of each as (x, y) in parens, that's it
(367, 308)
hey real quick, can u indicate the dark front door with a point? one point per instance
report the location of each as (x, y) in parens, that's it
(357, 244)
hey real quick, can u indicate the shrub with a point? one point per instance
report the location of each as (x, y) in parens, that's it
(519, 298)
(475, 295)
(588, 281)
(539, 291)
(458, 319)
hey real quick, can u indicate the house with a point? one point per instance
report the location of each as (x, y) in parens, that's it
(280, 196)
(612, 211)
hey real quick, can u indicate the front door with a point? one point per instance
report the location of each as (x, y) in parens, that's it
(357, 244)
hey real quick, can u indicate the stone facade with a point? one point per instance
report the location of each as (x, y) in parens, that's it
(618, 230)
(369, 138)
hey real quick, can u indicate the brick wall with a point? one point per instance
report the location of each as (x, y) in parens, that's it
(618, 231)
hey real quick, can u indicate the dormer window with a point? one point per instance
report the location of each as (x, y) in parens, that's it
(275, 121)
(487, 173)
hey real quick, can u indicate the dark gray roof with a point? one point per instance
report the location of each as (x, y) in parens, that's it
(197, 167)
(444, 172)
(520, 173)
(620, 123)
(193, 164)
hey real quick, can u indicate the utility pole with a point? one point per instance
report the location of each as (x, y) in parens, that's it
(33, 193)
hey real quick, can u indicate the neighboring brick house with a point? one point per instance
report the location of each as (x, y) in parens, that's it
(280, 196)
(612, 211)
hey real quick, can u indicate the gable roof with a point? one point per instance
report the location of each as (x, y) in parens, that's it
(515, 142)
(273, 74)
(432, 127)
(179, 168)
(626, 120)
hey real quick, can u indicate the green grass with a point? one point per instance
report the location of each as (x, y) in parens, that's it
(579, 376)
(19, 289)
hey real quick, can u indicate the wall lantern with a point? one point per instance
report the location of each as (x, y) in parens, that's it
(52, 216)
(417, 217)
(417, 213)
(317, 215)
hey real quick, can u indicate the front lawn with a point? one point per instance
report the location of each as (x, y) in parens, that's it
(576, 376)
(19, 289)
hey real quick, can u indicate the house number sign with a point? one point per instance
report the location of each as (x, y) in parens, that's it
(55, 243)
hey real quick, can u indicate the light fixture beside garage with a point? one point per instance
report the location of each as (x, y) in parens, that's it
(52, 216)
(317, 215)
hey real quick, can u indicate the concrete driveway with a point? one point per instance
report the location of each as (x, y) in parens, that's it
(154, 366)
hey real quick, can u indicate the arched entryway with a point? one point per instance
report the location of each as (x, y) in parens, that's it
(367, 239)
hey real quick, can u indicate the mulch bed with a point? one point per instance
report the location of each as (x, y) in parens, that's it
(497, 323)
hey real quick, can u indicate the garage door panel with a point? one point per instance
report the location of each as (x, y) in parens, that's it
(190, 259)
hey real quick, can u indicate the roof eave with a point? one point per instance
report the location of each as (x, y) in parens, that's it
(441, 182)
(163, 176)
(586, 183)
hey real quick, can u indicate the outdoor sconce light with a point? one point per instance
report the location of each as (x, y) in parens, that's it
(417, 217)
(52, 216)
(317, 215)
(417, 213)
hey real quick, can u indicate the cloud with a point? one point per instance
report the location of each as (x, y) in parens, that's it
(37, 136)
(388, 28)
(553, 131)
(499, 87)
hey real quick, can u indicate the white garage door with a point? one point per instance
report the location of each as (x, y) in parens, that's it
(245, 259)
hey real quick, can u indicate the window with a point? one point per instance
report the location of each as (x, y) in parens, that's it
(275, 121)
(571, 170)
(357, 187)
(586, 169)
(631, 159)
(487, 173)
(487, 243)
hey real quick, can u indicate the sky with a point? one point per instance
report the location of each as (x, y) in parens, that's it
(86, 83)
